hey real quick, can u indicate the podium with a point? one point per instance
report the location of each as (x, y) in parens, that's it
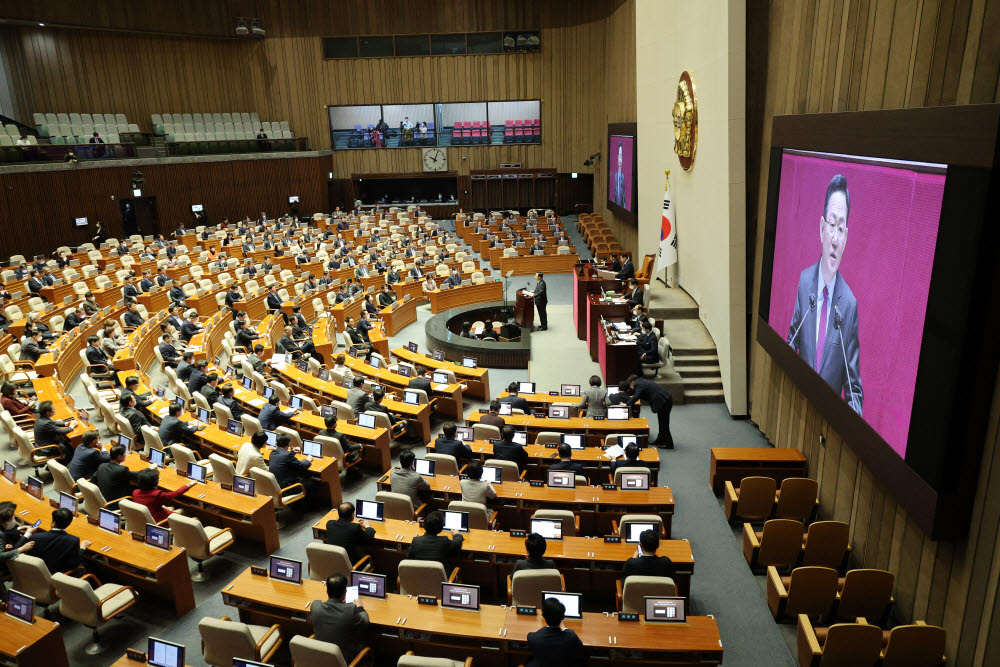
(524, 310)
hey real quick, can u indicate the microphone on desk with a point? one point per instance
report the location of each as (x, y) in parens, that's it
(838, 320)
(812, 307)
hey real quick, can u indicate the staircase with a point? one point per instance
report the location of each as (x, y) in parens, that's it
(700, 375)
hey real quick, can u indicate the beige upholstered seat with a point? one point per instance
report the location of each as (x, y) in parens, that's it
(266, 483)
(200, 542)
(444, 464)
(223, 469)
(90, 606)
(480, 516)
(309, 652)
(136, 516)
(632, 591)
(570, 522)
(509, 471)
(485, 431)
(223, 639)
(397, 506)
(328, 559)
(525, 588)
(410, 660)
(423, 577)
(32, 577)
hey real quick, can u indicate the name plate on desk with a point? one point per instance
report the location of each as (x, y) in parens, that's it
(551, 445)
(598, 418)
(536, 483)
(628, 617)
(132, 654)
(259, 571)
(612, 539)
(527, 611)
(226, 487)
(427, 599)
(609, 487)
(553, 393)
(138, 537)
(518, 533)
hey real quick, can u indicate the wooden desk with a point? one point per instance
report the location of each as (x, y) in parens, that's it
(583, 286)
(477, 380)
(400, 315)
(618, 359)
(125, 662)
(494, 635)
(596, 309)
(117, 558)
(528, 265)
(449, 395)
(251, 518)
(465, 295)
(590, 567)
(732, 464)
(596, 507)
(51, 389)
(594, 431)
(31, 644)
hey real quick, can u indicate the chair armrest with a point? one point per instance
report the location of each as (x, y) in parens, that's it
(619, 591)
(227, 544)
(274, 628)
(492, 523)
(57, 449)
(614, 526)
(116, 501)
(121, 589)
(521, 476)
(808, 645)
(96, 583)
(776, 593)
(420, 510)
(30, 365)
(357, 660)
(454, 577)
(103, 384)
(576, 523)
(731, 499)
(363, 563)
(292, 486)
(462, 469)
(510, 589)
(225, 618)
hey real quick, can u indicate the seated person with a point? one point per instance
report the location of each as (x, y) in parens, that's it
(646, 344)
(172, 430)
(113, 478)
(271, 416)
(646, 563)
(447, 444)
(508, 450)
(15, 405)
(535, 547)
(406, 480)
(153, 498)
(565, 461)
(552, 646)
(493, 418)
(336, 621)
(631, 459)
(87, 457)
(249, 456)
(374, 404)
(432, 545)
(60, 551)
(347, 533)
(286, 468)
(474, 489)
(515, 401)
(352, 450)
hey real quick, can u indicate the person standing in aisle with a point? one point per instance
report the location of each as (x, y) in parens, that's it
(541, 301)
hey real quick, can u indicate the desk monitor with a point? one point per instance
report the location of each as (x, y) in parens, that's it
(324, 375)
(492, 474)
(230, 372)
(425, 467)
(21, 606)
(67, 501)
(375, 362)
(438, 355)
(157, 536)
(505, 410)
(521, 437)
(411, 397)
(404, 371)
(272, 438)
(160, 391)
(312, 448)
(204, 416)
(35, 484)
(157, 457)
(456, 521)
(574, 440)
(293, 199)
(247, 382)
(327, 411)
(371, 510)
(562, 479)
(558, 412)
(366, 421)
(440, 378)
(243, 485)
(634, 529)
(295, 402)
(286, 569)
(572, 602)
(80, 222)
(526, 387)
(626, 440)
(460, 596)
(464, 433)
(618, 413)
(164, 654)
(469, 362)
(110, 521)
(197, 473)
(9, 471)
(570, 390)
(635, 481)
(550, 529)
(664, 610)
(268, 392)
(234, 427)
(369, 584)
(412, 347)
(125, 442)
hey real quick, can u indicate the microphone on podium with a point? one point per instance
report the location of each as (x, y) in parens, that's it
(838, 320)
(812, 307)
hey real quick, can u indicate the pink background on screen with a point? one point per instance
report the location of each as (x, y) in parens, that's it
(887, 262)
(626, 144)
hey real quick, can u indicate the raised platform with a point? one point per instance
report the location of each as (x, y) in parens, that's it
(441, 336)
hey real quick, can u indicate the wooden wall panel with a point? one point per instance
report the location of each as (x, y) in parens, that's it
(844, 55)
(37, 208)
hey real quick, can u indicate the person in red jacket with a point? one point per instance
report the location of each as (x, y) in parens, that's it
(147, 494)
(12, 404)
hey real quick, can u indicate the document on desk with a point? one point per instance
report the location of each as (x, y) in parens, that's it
(352, 594)
(607, 275)
(439, 387)
(614, 451)
(257, 402)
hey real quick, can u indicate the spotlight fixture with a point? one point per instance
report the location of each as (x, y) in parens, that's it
(589, 162)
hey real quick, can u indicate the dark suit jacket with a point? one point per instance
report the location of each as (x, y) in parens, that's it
(511, 451)
(339, 623)
(456, 448)
(196, 380)
(628, 270)
(349, 535)
(273, 302)
(655, 396)
(554, 647)
(172, 430)
(133, 319)
(210, 393)
(646, 344)
(517, 402)
(136, 420)
(96, 356)
(59, 549)
(286, 469)
(844, 377)
(35, 285)
(49, 432)
(168, 352)
(541, 297)
(575, 466)
(648, 566)
(534, 564)
(85, 462)
(189, 330)
(130, 291)
(271, 417)
(625, 463)
(146, 284)
(435, 547)
(114, 480)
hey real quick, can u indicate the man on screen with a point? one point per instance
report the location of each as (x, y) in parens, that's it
(824, 328)
(619, 194)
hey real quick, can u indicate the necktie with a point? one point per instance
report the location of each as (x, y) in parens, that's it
(822, 329)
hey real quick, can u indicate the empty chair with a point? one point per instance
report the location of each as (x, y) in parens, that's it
(752, 501)
(309, 652)
(778, 544)
(423, 577)
(866, 593)
(480, 516)
(183, 456)
(570, 521)
(328, 559)
(840, 645)
(410, 660)
(826, 544)
(266, 483)
(508, 470)
(62, 481)
(92, 606)
(634, 589)
(917, 645)
(809, 590)
(32, 577)
(136, 516)
(525, 588)
(484, 431)
(223, 639)
(796, 499)
(444, 464)
(200, 542)
(398, 506)
(223, 469)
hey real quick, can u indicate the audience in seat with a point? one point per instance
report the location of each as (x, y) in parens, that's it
(535, 546)
(88, 456)
(406, 480)
(631, 459)
(553, 645)
(336, 621)
(493, 418)
(249, 455)
(60, 551)
(474, 489)
(646, 562)
(432, 545)
(447, 444)
(153, 498)
(508, 450)
(345, 532)
(287, 468)
(113, 478)
(565, 461)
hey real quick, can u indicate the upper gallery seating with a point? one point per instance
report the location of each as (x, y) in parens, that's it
(217, 126)
(78, 128)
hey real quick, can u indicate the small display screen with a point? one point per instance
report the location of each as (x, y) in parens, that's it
(157, 536)
(312, 448)
(21, 606)
(156, 457)
(411, 398)
(456, 521)
(366, 421)
(109, 521)
(526, 387)
(164, 654)
(626, 440)
(558, 412)
(562, 479)
(635, 481)
(196, 472)
(243, 485)
(460, 596)
(574, 440)
(505, 409)
(664, 610)
(492, 474)
(570, 390)
(197, 208)
(412, 347)
(68, 502)
(572, 602)
(520, 437)
(369, 584)
(286, 569)
(468, 362)
(550, 529)
(234, 427)
(425, 467)
(440, 378)
(80, 222)
(464, 433)
(370, 510)
(438, 355)
(634, 530)
(618, 413)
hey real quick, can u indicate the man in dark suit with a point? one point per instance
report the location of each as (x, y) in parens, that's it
(646, 344)
(113, 478)
(59, 550)
(336, 621)
(515, 400)
(347, 533)
(635, 294)
(552, 646)
(824, 327)
(161, 277)
(541, 301)
(447, 444)
(74, 319)
(190, 328)
(33, 347)
(35, 283)
(271, 416)
(226, 398)
(386, 297)
(168, 351)
(127, 409)
(198, 376)
(185, 367)
(273, 300)
(627, 272)
(132, 317)
(287, 469)
(508, 450)
(232, 296)
(454, 279)
(374, 404)
(172, 430)
(130, 291)
(660, 401)
(50, 431)
(646, 563)
(618, 194)
(434, 546)
(415, 273)
(245, 336)
(631, 459)
(535, 547)
(87, 457)
(146, 283)
(210, 390)
(175, 293)
(176, 317)
(566, 462)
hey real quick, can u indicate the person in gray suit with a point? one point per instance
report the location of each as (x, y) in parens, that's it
(594, 399)
(336, 621)
(824, 327)
(406, 480)
(356, 396)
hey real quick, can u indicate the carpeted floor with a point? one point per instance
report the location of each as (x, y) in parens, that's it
(722, 585)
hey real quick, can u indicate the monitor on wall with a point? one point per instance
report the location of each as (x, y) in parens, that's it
(621, 163)
(876, 283)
